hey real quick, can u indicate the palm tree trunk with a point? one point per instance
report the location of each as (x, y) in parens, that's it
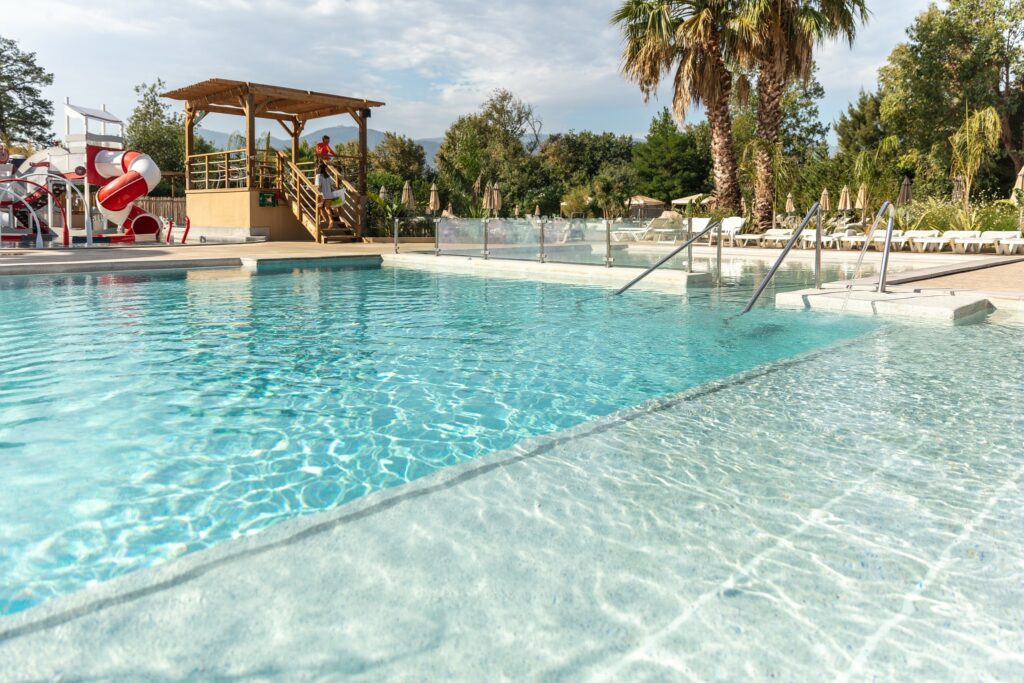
(723, 150)
(723, 158)
(769, 122)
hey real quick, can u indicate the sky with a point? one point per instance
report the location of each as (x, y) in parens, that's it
(429, 60)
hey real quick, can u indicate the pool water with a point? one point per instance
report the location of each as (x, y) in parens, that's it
(144, 416)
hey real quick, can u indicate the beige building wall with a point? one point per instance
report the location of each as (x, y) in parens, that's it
(240, 210)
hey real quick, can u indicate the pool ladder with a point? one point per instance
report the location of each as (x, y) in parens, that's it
(816, 212)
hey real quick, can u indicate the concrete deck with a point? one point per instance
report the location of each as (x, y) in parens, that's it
(105, 259)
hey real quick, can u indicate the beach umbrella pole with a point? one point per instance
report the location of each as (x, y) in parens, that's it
(396, 235)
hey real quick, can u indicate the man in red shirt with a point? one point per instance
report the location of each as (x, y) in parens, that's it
(323, 149)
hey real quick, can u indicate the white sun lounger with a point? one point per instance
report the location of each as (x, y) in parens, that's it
(877, 240)
(731, 227)
(989, 238)
(636, 234)
(923, 244)
(771, 237)
(1010, 247)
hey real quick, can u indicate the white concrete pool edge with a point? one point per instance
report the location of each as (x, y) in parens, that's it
(137, 585)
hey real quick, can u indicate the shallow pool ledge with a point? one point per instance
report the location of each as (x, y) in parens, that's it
(957, 308)
(570, 273)
(262, 264)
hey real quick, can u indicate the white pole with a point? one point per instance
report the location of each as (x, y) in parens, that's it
(103, 124)
(67, 121)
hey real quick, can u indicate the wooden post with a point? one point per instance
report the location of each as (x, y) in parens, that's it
(190, 143)
(250, 138)
(363, 153)
(296, 133)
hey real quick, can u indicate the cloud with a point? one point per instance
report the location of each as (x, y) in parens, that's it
(430, 60)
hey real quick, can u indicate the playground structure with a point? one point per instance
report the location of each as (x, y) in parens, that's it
(241, 194)
(48, 197)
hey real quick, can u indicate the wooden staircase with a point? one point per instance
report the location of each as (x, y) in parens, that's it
(337, 225)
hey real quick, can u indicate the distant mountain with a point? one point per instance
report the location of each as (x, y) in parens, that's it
(338, 134)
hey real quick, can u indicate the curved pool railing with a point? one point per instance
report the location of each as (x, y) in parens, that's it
(814, 212)
(685, 245)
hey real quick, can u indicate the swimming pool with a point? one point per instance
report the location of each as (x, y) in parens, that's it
(151, 415)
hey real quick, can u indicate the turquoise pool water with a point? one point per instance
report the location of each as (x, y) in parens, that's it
(146, 416)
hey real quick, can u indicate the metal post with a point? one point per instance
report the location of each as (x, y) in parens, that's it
(719, 245)
(607, 243)
(542, 222)
(883, 275)
(689, 250)
(486, 223)
(437, 237)
(396, 235)
(817, 252)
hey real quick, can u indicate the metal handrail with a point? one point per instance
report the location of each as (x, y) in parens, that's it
(711, 226)
(815, 211)
(869, 238)
(31, 213)
(884, 268)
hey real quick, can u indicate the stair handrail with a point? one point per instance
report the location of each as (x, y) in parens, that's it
(711, 226)
(814, 212)
(348, 208)
(887, 207)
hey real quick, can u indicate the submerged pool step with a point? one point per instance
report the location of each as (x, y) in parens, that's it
(951, 307)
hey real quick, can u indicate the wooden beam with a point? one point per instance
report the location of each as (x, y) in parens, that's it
(322, 112)
(235, 111)
(299, 125)
(310, 96)
(190, 142)
(363, 154)
(234, 91)
(290, 130)
(250, 138)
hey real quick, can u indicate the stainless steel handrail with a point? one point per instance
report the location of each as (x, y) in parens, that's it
(815, 211)
(31, 213)
(711, 226)
(884, 268)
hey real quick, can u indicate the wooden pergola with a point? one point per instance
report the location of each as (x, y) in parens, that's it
(290, 107)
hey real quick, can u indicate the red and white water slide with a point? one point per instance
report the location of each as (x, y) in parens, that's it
(124, 176)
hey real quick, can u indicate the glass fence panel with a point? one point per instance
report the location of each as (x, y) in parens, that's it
(460, 236)
(575, 241)
(512, 238)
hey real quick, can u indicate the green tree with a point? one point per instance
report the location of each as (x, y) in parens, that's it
(803, 133)
(489, 146)
(614, 184)
(975, 140)
(672, 163)
(964, 57)
(399, 155)
(860, 127)
(697, 39)
(25, 115)
(154, 129)
(575, 158)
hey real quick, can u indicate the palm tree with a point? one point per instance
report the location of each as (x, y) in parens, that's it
(696, 37)
(782, 51)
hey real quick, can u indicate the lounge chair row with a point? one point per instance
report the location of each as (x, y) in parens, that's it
(921, 241)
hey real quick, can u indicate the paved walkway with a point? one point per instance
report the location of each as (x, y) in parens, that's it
(1008, 279)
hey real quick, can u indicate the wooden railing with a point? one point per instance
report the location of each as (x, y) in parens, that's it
(299, 188)
(172, 208)
(227, 170)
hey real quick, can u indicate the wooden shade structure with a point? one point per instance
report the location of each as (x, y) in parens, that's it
(290, 107)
